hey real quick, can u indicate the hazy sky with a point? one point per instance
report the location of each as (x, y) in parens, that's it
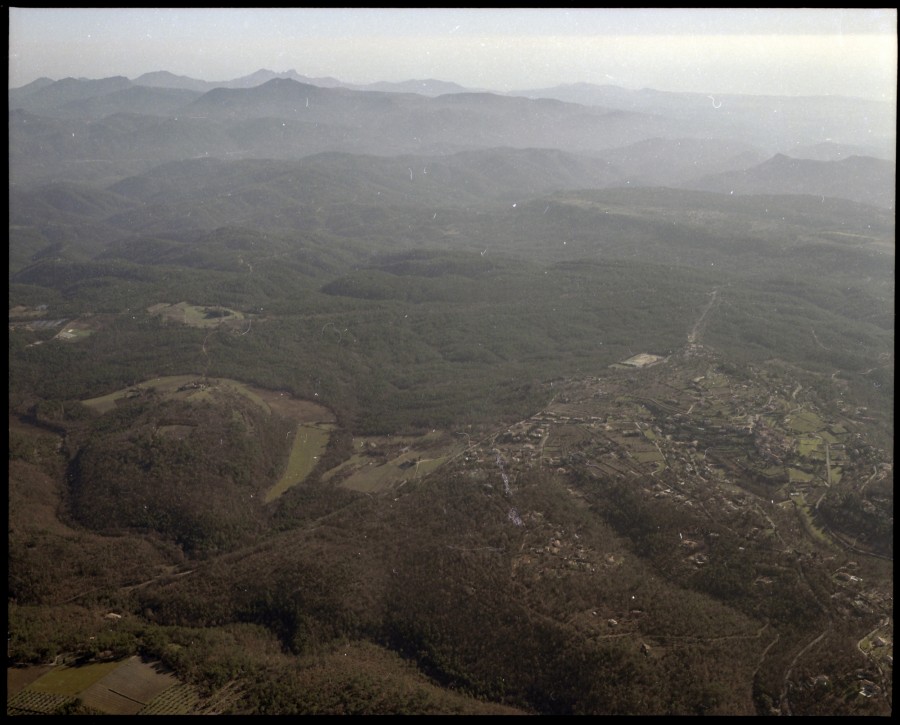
(709, 50)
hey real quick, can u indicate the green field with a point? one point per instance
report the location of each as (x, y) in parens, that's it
(795, 475)
(374, 476)
(805, 422)
(806, 519)
(310, 442)
(72, 680)
(195, 315)
(170, 384)
(807, 446)
(648, 456)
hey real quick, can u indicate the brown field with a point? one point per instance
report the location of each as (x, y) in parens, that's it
(115, 688)
(284, 404)
(128, 688)
(18, 678)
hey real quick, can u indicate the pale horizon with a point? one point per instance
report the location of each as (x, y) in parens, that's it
(725, 51)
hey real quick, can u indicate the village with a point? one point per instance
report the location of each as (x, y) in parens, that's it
(749, 452)
(675, 425)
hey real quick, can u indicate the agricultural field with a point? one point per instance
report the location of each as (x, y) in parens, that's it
(130, 686)
(310, 442)
(179, 699)
(197, 315)
(57, 687)
(380, 463)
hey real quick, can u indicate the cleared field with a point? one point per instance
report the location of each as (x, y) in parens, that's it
(405, 458)
(128, 688)
(175, 431)
(648, 456)
(374, 476)
(310, 442)
(805, 422)
(568, 436)
(807, 446)
(196, 387)
(73, 333)
(795, 475)
(123, 687)
(807, 520)
(18, 678)
(68, 680)
(354, 462)
(195, 315)
(423, 468)
(164, 385)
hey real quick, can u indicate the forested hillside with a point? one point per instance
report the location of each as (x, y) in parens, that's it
(445, 403)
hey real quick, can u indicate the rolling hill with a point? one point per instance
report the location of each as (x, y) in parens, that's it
(858, 178)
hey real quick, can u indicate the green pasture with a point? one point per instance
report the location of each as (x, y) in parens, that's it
(170, 384)
(427, 466)
(73, 334)
(806, 519)
(374, 476)
(67, 680)
(370, 476)
(105, 403)
(196, 315)
(653, 456)
(566, 436)
(176, 431)
(310, 442)
(358, 463)
(795, 475)
(807, 446)
(354, 461)
(244, 390)
(805, 421)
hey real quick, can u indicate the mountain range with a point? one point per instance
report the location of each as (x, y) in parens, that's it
(109, 128)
